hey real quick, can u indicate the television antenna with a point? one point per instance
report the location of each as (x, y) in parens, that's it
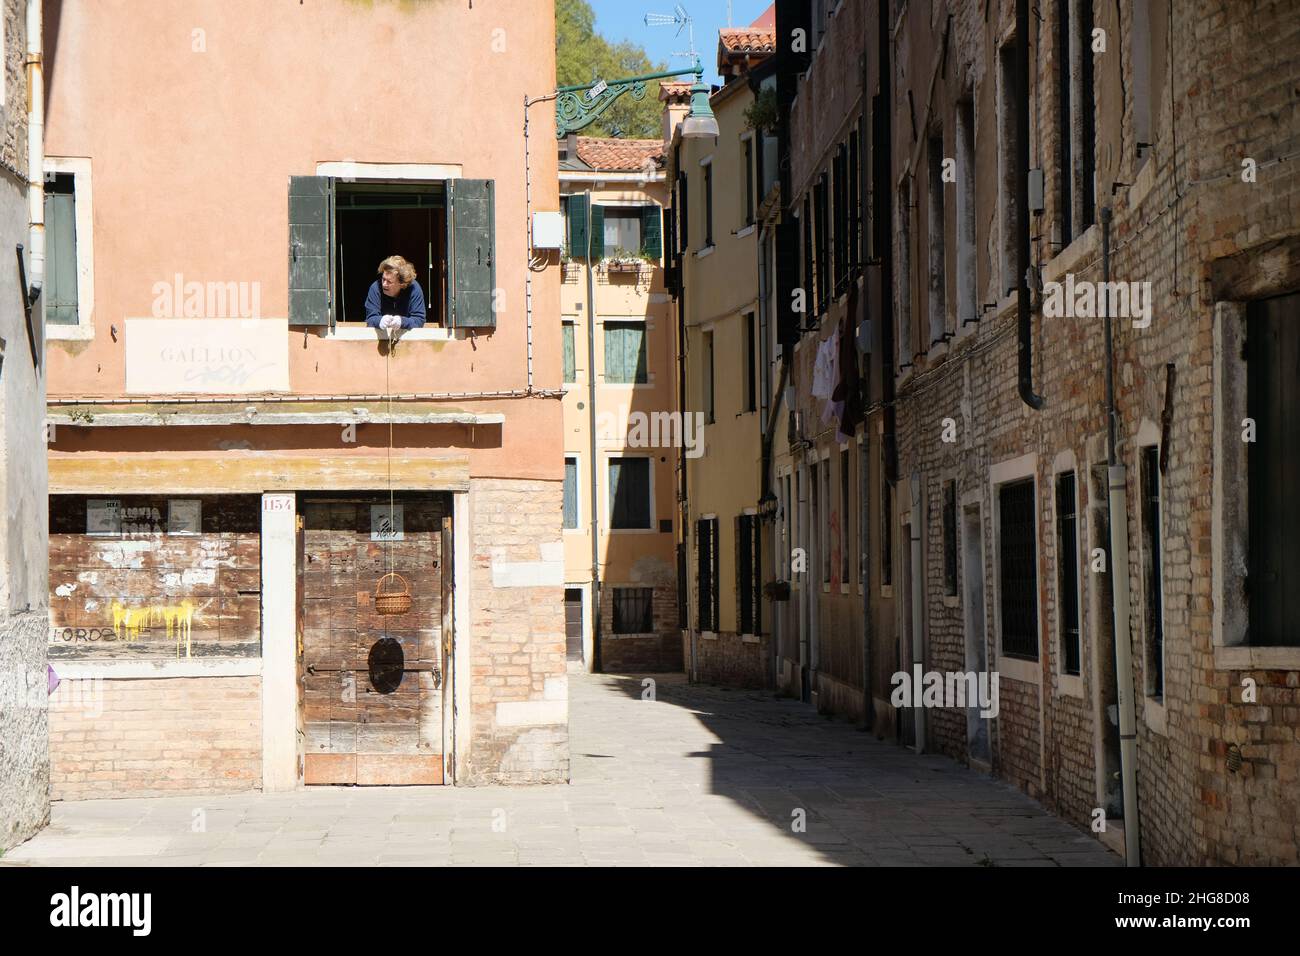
(682, 20)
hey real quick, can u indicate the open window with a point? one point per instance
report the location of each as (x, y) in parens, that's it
(339, 232)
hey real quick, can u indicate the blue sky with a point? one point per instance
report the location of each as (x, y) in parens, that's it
(622, 20)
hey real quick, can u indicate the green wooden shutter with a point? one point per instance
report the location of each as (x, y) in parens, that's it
(570, 492)
(311, 222)
(570, 353)
(577, 215)
(652, 243)
(472, 224)
(597, 232)
(60, 258)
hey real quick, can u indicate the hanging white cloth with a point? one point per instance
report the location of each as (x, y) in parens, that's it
(826, 374)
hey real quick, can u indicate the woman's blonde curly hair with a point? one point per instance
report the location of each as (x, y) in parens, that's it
(405, 271)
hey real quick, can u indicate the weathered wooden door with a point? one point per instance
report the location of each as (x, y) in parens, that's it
(373, 685)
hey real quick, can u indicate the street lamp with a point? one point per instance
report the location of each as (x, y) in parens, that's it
(577, 107)
(700, 122)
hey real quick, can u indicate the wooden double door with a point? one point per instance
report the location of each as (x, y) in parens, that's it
(376, 689)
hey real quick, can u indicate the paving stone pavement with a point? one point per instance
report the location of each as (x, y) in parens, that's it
(699, 776)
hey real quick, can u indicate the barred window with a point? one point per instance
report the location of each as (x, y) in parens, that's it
(748, 574)
(706, 573)
(633, 610)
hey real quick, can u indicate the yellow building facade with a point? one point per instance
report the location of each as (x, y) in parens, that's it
(620, 410)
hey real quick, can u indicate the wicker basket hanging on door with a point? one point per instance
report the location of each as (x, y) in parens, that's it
(392, 602)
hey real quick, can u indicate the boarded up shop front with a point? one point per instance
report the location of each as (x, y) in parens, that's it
(163, 594)
(156, 624)
(151, 576)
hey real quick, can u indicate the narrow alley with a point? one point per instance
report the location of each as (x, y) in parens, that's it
(697, 776)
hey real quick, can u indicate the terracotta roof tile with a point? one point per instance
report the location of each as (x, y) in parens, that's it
(747, 40)
(620, 155)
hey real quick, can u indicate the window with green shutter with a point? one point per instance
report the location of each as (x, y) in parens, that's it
(625, 353)
(652, 243)
(597, 250)
(61, 300)
(629, 493)
(311, 266)
(471, 230)
(575, 209)
(340, 231)
(570, 352)
(570, 492)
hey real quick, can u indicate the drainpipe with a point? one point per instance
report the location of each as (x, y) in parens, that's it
(918, 608)
(1023, 317)
(591, 428)
(35, 151)
(1117, 485)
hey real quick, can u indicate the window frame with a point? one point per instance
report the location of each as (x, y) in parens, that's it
(83, 246)
(621, 591)
(715, 566)
(434, 173)
(847, 517)
(1151, 547)
(568, 330)
(1003, 473)
(651, 525)
(624, 321)
(1068, 683)
(709, 373)
(577, 491)
(706, 195)
(748, 183)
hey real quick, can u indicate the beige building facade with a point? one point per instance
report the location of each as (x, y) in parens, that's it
(722, 227)
(622, 429)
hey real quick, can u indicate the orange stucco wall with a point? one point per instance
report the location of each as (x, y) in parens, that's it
(191, 151)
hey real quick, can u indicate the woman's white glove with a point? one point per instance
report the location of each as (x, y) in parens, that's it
(390, 322)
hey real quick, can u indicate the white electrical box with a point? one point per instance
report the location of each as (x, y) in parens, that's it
(548, 230)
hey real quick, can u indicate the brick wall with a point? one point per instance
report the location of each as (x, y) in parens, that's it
(1174, 220)
(641, 653)
(1223, 77)
(518, 691)
(730, 659)
(155, 737)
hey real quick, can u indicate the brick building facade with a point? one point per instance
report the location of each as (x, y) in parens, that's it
(956, 518)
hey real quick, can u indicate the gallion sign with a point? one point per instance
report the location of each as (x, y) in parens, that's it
(210, 356)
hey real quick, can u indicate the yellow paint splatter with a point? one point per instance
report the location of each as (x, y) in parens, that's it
(129, 622)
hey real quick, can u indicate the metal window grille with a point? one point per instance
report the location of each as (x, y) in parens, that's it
(706, 573)
(633, 610)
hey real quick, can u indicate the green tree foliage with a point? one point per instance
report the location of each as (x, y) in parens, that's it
(582, 56)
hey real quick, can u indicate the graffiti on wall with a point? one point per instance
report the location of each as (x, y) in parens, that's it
(129, 622)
